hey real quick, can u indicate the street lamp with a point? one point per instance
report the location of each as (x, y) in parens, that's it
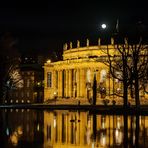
(48, 61)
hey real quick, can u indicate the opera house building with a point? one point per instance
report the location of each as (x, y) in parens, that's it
(73, 76)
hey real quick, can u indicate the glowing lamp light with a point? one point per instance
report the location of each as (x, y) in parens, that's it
(49, 61)
(103, 26)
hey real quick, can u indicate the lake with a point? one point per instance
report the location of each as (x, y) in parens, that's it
(71, 129)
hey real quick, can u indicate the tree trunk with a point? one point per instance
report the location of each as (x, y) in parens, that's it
(137, 92)
(125, 87)
(136, 84)
(94, 90)
(125, 93)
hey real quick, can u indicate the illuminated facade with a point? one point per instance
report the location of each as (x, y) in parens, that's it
(73, 76)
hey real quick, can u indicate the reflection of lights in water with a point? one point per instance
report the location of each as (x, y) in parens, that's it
(88, 135)
(93, 145)
(7, 132)
(88, 132)
(16, 135)
(38, 127)
(140, 120)
(54, 122)
(14, 138)
(118, 122)
(103, 140)
(118, 136)
(117, 133)
(134, 138)
(19, 130)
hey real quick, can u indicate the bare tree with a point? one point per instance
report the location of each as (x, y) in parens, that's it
(129, 64)
(9, 61)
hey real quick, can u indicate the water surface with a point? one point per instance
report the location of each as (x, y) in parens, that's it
(71, 129)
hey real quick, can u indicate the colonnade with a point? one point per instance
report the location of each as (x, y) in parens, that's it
(74, 83)
(69, 82)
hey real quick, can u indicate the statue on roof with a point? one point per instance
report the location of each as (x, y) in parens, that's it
(126, 41)
(78, 43)
(99, 41)
(112, 41)
(87, 43)
(70, 45)
(65, 46)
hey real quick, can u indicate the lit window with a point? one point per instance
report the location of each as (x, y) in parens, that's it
(28, 83)
(88, 75)
(22, 94)
(28, 101)
(49, 79)
(27, 94)
(16, 94)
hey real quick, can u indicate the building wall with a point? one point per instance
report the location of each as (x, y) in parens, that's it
(73, 76)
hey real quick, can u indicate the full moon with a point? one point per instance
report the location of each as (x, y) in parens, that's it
(103, 26)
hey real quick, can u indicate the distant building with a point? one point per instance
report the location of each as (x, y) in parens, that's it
(32, 75)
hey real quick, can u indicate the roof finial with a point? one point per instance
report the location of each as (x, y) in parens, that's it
(78, 43)
(126, 41)
(87, 42)
(99, 41)
(70, 45)
(112, 41)
(65, 46)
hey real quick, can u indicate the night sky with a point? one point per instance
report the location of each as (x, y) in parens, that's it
(45, 26)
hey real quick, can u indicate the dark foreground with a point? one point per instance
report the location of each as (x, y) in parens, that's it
(110, 109)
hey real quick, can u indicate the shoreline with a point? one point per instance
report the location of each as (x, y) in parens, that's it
(109, 109)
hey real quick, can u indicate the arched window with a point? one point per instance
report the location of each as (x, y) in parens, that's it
(88, 75)
(103, 75)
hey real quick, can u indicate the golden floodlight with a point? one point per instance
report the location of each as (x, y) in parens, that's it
(48, 61)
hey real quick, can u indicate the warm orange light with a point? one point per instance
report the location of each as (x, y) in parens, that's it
(49, 61)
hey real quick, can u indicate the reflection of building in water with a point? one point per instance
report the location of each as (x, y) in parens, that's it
(70, 129)
(67, 129)
(73, 76)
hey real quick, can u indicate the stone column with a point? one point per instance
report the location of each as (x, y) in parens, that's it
(70, 83)
(74, 83)
(78, 83)
(82, 83)
(60, 83)
(67, 83)
(54, 80)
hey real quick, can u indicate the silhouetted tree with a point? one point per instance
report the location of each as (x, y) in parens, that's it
(9, 64)
(129, 64)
